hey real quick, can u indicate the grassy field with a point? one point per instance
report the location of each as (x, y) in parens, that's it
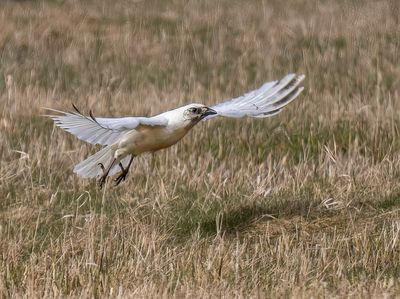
(305, 204)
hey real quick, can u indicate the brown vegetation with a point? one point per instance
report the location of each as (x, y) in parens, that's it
(303, 204)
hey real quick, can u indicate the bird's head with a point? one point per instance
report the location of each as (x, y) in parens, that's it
(189, 115)
(196, 112)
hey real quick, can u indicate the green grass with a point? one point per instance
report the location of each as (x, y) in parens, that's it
(390, 202)
(305, 204)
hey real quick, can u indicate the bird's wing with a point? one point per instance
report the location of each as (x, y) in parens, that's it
(99, 130)
(265, 101)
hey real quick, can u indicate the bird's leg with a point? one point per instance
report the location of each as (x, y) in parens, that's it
(103, 178)
(124, 172)
(102, 167)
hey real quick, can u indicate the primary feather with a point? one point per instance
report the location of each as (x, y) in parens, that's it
(98, 130)
(265, 101)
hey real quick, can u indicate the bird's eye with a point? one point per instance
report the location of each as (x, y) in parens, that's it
(195, 110)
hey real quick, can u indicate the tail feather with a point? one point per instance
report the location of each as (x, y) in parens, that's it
(90, 168)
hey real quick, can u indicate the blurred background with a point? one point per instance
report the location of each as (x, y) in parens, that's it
(302, 204)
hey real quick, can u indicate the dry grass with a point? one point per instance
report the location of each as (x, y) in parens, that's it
(303, 204)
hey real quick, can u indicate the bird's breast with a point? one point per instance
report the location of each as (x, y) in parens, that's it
(151, 138)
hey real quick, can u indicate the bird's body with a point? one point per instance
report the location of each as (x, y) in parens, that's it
(125, 138)
(150, 139)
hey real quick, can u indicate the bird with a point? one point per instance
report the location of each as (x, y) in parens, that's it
(128, 137)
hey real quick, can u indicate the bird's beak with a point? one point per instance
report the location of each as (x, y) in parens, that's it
(208, 111)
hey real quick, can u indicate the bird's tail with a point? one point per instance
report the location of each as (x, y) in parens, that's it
(90, 167)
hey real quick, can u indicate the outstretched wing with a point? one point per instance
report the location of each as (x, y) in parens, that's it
(266, 101)
(98, 130)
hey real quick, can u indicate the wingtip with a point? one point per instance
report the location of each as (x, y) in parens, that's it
(301, 77)
(47, 115)
(47, 108)
(53, 110)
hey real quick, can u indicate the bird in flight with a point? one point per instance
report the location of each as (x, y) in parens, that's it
(127, 137)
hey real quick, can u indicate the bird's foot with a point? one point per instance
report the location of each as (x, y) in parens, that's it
(102, 167)
(103, 178)
(122, 176)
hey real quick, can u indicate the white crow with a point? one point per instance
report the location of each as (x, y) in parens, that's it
(127, 137)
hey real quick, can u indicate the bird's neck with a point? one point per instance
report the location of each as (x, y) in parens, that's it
(187, 125)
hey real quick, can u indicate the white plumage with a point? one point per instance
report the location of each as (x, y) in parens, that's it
(128, 137)
(265, 101)
(104, 131)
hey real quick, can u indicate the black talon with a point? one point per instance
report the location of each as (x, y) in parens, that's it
(124, 172)
(102, 181)
(103, 178)
(102, 167)
(121, 177)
